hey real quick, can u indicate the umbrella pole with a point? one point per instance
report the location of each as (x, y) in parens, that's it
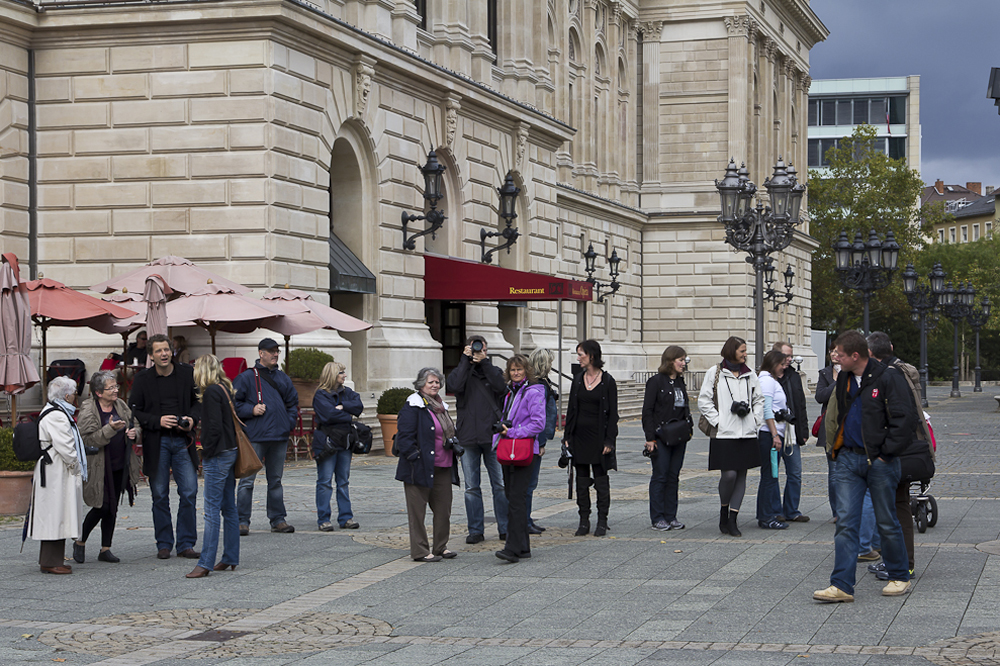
(45, 355)
(211, 331)
(287, 338)
(13, 410)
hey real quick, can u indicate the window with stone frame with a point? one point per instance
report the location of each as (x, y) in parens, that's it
(421, 7)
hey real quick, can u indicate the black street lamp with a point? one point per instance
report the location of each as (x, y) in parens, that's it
(760, 230)
(508, 204)
(771, 294)
(957, 304)
(977, 319)
(590, 257)
(923, 299)
(433, 172)
(866, 267)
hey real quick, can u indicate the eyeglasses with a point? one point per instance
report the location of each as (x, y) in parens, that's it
(116, 387)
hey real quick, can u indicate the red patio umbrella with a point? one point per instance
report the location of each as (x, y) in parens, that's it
(17, 373)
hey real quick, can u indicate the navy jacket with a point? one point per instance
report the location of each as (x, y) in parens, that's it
(415, 445)
(325, 405)
(275, 424)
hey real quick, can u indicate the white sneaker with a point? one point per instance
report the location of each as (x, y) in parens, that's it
(832, 594)
(896, 588)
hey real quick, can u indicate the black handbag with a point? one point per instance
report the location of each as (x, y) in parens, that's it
(360, 438)
(675, 431)
(338, 438)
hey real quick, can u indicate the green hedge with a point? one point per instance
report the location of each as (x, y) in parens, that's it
(8, 461)
(392, 400)
(306, 363)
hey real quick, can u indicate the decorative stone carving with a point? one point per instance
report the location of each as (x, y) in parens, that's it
(806, 83)
(742, 26)
(771, 49)
(364, 70)
(651, 30)
(451, 107)
(520, 146)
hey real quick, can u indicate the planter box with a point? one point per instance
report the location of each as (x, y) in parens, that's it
(15, 493)
(306, 388)
(388, 423)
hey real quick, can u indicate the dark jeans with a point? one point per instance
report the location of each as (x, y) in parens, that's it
(664, 482)
(515, 485)
(105, 515)
(272, 454)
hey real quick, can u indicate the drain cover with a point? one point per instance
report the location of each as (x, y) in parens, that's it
(217, 635)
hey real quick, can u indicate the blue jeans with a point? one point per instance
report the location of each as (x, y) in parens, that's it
(831, 489)
(338, 465)
(474, 494)
(768, 491)
(272, 454)
(853, 475)
(220, 497)
(174, 456)
(664, 482)
(868, 537)
(791, 458)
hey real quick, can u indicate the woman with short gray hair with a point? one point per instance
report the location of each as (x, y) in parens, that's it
(428, 453)
(57, 486)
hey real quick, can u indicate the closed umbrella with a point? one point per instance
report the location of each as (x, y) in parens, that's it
(17, 373)
(155, 297)
(178, 273)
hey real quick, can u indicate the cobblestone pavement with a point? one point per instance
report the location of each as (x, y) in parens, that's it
(686, 597)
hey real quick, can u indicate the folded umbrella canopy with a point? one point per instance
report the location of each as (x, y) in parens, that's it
(17, 373)
(178, 273)
(301, 314)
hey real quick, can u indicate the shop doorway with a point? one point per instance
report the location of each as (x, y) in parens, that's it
(446, 321)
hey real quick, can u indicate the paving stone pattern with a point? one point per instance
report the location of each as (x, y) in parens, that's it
(635, 597)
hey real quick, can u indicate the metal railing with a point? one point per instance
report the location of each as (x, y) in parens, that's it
(693, 380)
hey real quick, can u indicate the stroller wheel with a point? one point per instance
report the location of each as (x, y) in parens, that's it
(921, 518)
(932, 511)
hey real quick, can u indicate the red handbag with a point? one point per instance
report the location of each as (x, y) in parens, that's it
(516, 452)
(818, 424)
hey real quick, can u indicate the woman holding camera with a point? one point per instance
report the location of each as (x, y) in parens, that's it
(336, 406)
(731, 402)
(428, 453)
(771, 437)
(666, 401)
(109, 434)
(591, 432)
(523, 418)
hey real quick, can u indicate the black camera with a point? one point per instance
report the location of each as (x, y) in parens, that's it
(784, 415)
(452, 444)
(500, 425)
(740, 408)
(650, 453)
(477, 346)
(565, 457)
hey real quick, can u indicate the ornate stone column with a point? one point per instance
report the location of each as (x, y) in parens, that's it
(651, 31)
(740, 29)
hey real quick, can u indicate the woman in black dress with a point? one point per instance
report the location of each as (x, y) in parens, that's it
(591, 431)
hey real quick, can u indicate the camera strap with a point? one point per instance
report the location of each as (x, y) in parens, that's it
(749, 388)
(490, 399)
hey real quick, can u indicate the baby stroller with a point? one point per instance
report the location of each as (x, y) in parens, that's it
(919, 472)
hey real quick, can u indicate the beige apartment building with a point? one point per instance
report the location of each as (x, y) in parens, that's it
(277, 142)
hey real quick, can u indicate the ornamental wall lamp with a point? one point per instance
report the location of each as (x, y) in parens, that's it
(508, 211)
(590, 257)
(433, 172)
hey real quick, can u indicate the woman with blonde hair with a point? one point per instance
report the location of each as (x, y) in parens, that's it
(335, 406)
(541, 363)
(218, 454)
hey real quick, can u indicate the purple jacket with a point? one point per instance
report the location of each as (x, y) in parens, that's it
(527, 414)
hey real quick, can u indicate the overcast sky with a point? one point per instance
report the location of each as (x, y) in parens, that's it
(951, 46)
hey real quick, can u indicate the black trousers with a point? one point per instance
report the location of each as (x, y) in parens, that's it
(515, 486)
(106, 515)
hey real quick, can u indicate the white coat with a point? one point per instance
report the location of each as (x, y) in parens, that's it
(57, 509)
(732, 389)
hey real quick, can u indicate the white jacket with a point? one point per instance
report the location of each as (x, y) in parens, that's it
(57, 509)
(732, 389)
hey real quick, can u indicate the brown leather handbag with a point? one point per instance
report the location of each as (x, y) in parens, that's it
(247, 462)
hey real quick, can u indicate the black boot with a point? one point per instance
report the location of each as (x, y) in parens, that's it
(583, 501)
(732, 528)
(602, 485)
(724, 519)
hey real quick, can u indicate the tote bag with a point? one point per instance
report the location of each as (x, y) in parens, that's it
(247, 462)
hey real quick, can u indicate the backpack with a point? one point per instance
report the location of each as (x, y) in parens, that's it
(360, 438)
(27, 445)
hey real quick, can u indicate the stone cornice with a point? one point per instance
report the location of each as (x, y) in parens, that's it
(587, 203)
(804, 17)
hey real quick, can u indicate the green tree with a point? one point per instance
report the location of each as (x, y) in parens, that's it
(862, 190)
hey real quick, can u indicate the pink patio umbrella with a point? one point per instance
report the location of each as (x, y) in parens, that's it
(155, 297)
(17, 373)
(302, 314)
(178, 273)
(219, 309)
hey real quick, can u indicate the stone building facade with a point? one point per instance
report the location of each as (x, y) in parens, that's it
(251, 135)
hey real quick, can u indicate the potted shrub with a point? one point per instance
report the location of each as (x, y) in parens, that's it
(304, 367)
(15, 477)
(389, 404)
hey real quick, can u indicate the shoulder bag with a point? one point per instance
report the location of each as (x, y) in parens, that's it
(703, 423)
(516, 452)
(247, 462)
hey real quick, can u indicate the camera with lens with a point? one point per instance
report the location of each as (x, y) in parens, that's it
(565, 457)
(650, 453)
(784, 415)
(477, 346)
(452, 444)
(740, 408)
(499, 426)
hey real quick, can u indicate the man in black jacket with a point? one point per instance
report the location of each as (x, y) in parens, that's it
(165, 402)
(478, 387)
(870, 420)
(791, 455)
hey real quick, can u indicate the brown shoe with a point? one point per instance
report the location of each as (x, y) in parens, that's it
(61, 570)
(197, 572)
(801, 518)
(189, 553)
(163, 554)
(870, 556)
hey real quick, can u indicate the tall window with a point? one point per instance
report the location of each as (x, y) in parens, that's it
(491, 24)
(975, 232)
(421, 6)
(965, 233)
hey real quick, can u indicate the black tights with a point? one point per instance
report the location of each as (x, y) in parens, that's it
(732, 488)
(106, 514)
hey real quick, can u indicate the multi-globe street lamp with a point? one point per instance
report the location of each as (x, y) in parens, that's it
(760, 230)
(957, 304)
(866, 267)
(923, 300)
(977, 319)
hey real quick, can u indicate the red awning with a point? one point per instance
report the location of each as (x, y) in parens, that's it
(451, 279)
